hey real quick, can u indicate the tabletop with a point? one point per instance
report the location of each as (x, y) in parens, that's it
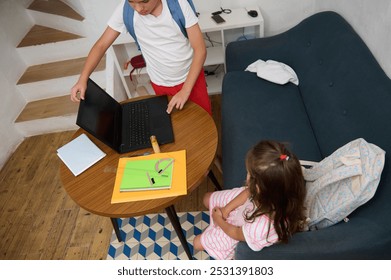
(194, 131)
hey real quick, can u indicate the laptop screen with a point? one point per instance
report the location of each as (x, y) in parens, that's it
(99, 115)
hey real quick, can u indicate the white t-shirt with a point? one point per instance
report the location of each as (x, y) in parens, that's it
(167, 52)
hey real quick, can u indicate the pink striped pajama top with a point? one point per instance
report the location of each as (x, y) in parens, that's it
(219, 245)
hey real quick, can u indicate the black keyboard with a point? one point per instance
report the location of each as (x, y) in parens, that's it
(139, 123)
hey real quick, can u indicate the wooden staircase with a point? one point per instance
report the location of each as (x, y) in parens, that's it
(43, 35)
(55, 8)
(46, 86)
(54, 70)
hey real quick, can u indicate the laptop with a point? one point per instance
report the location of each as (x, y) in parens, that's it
(124, 127)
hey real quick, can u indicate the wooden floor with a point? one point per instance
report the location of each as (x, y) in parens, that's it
(37, 218)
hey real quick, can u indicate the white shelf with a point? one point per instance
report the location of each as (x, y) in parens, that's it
(238, 18)
(123, 50)
(215, 55)
(214, 83)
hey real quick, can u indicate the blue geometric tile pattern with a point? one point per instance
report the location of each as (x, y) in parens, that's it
(152, 237)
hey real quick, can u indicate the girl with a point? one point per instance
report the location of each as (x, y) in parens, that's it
(267, 210)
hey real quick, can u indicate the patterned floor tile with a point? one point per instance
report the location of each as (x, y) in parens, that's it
(152, 237)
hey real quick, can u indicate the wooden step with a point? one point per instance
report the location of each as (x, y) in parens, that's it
(39, 35)
(55, 7)
(48, 108)
(55, 70)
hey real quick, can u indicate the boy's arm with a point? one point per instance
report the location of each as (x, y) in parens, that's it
(94, 57)
(199, 55)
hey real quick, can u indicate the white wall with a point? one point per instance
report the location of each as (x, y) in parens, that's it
(284, 14)
(96, 13)
(11, 68)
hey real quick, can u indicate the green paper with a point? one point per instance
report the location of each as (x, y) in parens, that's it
(150, 174)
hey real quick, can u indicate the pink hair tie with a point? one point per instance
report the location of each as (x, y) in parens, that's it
(284, 157)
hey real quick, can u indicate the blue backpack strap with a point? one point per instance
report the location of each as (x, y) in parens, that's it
(177, 14)
(175, 10)
(128, 15)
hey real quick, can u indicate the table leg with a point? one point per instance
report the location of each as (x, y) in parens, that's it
(213, 178)
(114, 221)
(171, 213)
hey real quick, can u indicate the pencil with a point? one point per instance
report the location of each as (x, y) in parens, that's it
(155, 144)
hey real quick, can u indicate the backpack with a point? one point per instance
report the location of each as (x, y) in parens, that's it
(341, 182)
(175, 10)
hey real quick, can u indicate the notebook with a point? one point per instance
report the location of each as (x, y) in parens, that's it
(80, 154)
(124, 127)
(178, 178)
(146, 174)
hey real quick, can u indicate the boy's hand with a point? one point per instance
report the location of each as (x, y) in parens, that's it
(78, 92)
(178, 101)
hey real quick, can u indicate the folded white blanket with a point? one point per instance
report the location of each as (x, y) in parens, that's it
(273, 71)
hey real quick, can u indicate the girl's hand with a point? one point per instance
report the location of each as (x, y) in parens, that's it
(178, 101)
(217, 216)
(224, 212)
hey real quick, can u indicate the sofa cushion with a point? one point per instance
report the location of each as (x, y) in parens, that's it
(363, 239)
(254, 109)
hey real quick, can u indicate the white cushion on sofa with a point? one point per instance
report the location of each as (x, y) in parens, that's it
(273, 71)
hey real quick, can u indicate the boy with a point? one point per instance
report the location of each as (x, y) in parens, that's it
(174, 62)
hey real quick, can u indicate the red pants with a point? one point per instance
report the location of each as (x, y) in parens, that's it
(198, 95)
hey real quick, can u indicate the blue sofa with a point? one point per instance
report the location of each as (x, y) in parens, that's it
(343, 94)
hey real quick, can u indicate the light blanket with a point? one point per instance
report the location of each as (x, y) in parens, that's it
(273, 71)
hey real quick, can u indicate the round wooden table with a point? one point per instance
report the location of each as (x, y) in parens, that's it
(194, 131)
